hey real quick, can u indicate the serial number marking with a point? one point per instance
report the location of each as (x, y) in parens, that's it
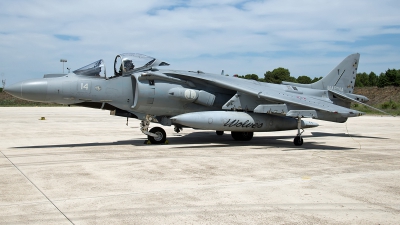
(335, 88)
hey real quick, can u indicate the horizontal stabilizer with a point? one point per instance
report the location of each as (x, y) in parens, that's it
(342, 95)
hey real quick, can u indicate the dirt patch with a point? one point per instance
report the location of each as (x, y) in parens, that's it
(378, 96)
(9, 100)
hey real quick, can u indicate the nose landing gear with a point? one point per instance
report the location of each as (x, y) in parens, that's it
(156, 135)
(160, 138)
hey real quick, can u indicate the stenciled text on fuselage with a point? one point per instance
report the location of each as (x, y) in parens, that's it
(246, 124)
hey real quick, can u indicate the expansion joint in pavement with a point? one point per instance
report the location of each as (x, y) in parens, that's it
(36, 187)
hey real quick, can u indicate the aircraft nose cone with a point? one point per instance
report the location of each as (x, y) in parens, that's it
(34, 90)
(14, 90)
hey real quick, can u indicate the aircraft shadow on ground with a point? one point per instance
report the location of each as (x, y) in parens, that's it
(323, 134)
(204, 140)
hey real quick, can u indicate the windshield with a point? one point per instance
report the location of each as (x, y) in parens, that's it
(96, 69)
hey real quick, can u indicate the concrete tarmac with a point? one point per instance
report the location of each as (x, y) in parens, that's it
(83, 166)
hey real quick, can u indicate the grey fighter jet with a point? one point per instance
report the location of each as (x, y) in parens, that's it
(141, 88)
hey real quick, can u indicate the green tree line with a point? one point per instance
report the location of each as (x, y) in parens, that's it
(280, 74)
(390, 78)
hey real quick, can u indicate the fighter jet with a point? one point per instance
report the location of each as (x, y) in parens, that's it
(141, 88)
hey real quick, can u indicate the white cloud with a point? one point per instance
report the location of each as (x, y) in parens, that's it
(308, 37)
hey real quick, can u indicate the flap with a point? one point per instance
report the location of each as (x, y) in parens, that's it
(272, 109)
(302, 113)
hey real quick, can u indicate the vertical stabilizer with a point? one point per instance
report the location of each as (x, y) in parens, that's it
(342, 78)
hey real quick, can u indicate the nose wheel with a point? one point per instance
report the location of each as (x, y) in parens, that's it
(156, 135)
(298, 140)
(160, 138)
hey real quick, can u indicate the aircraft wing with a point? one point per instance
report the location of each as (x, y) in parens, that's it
(267, 92)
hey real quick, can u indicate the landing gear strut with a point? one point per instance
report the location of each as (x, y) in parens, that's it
(298, 140)
(156, 135)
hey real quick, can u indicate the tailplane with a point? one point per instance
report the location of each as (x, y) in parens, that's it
(340, 84)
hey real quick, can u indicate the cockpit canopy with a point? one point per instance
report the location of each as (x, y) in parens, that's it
(129, 63)
(95, 69)
(124, 64)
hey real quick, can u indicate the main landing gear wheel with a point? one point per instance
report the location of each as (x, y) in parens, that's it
(298, 141)
(161, 135)
(219, 133)
(242, 136)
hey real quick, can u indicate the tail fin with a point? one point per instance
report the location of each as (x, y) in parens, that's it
(342, 78)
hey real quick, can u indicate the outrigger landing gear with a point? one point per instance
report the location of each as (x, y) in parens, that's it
(298, 140)
(156, 135)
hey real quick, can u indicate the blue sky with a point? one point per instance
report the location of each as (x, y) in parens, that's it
(240, 36)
